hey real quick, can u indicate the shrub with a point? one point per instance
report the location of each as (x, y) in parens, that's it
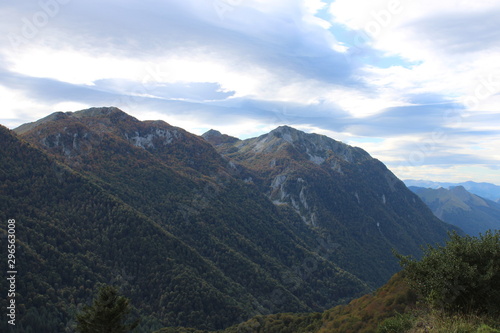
(398, 324)
(462, 276)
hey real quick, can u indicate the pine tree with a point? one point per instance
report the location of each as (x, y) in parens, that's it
(107, 314)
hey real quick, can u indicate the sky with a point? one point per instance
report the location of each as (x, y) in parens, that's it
(414, 83)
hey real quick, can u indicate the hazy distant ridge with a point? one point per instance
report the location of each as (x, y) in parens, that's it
(457, 206)
(485, 190)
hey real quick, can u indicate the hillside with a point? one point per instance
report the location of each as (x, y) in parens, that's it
(73, 234)
(453, 288)
(395, 307)
(223, 221)
(459, 207)
(362, 315)
(353, 198)
(198, 236)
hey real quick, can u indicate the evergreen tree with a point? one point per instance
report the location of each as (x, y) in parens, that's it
(108, 313)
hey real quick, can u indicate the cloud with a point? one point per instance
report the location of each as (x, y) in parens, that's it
(459, 33)
(273, 39)
(191, 91)
(385, 74)
(445, 47)
(405, 120)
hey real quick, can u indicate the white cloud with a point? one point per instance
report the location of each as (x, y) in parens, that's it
(450, 173)
(252, 65)
(442, 37)
(71, 106)
(17, 108)
(73, 67)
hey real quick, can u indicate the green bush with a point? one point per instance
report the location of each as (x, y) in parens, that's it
(398, 324)
(463, 276)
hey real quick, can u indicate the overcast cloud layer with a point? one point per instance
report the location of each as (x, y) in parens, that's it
(415, 83)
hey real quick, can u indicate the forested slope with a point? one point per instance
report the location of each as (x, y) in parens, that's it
(288, 222)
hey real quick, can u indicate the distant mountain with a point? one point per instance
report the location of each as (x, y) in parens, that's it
(485, 190)
(459, 207)
(217, 137)
(202, 232)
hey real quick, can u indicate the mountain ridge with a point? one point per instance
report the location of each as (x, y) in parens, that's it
(319, 177)
(459, 207)
(317, 147)
(257, 247)
(290, 221)
(486, 190)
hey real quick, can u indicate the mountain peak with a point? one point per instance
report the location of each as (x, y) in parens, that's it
(285, 129)
(458, 189)
(295, 136)
(98, 112)
(287, 133)
(318, 147)
(76, 135)
(211, 134)
(217, 138)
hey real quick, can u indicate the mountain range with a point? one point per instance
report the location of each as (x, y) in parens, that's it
(485, 190)
(457, 206)
(204, 231)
